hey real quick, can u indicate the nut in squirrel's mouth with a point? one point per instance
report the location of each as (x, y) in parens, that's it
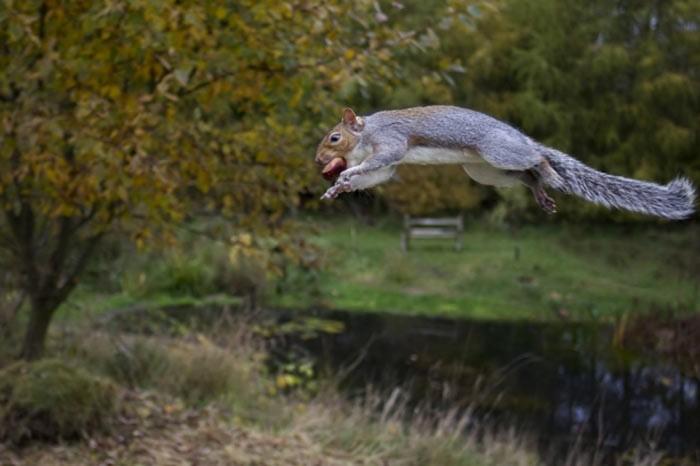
(332, 169)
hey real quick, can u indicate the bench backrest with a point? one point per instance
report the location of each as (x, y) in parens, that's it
(455, 222)
(432, 228)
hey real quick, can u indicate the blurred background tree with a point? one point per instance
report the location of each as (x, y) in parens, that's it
(123, 116)
(614, 83)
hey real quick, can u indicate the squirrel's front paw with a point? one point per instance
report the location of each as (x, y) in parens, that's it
(345, 176)
(335, 190)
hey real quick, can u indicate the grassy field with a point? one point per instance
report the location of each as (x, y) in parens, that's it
(536, 272)
(541, 272)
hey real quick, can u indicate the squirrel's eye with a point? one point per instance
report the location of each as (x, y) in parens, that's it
(335, 137)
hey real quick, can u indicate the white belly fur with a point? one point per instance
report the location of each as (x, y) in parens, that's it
(487, 174)
(434, 156)
(475, 166)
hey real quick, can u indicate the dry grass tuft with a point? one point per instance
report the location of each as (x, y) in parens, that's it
(387, 431)
(50, 400)
(163, 431)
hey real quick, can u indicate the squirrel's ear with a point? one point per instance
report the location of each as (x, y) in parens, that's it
(352, 121)
(349, 116)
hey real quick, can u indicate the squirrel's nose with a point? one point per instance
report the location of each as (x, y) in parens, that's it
(320, 160)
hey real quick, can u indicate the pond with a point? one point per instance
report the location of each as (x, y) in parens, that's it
(565, 382)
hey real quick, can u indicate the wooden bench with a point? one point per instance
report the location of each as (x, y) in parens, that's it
(432, 228)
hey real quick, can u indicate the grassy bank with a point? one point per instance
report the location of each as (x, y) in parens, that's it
(535, 272)
(207, 399)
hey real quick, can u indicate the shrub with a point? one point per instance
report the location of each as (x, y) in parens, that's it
(51, 400)
(196, 373)
(179, 274)
(245, 277)
(203, 373)
(138, 363)
(200, 269)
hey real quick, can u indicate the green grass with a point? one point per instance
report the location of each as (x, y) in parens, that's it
(86, 301)
(537, 272)
(194, 273)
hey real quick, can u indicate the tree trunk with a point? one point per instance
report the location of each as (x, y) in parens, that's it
(35, 336)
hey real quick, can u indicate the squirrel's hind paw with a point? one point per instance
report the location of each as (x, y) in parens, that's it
(548, 204)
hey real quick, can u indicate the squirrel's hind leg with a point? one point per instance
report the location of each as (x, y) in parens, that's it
(547, 203)
(532, 181)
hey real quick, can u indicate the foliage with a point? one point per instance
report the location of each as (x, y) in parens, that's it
(177, 276)
(131, 116)
(613, 83)
(202, 268)
(51, 400)
(295, 368)
(132, 363)
(136, 107)
(424, 190)
(197, 269)
(196, 373)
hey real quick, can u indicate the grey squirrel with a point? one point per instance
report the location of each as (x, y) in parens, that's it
(490, 151)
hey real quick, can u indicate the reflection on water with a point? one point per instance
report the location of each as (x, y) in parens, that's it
(564, 381)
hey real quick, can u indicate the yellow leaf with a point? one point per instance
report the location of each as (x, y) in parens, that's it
(246, 239)
(221, 13)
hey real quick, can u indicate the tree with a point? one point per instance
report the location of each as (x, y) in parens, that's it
(126, 116)
(615, 83)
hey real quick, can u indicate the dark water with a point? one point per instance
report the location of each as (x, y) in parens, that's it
(565, 383)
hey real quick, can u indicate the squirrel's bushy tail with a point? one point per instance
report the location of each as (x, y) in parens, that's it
(674, 201)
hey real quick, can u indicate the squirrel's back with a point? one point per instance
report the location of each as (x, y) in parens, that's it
(441, 125)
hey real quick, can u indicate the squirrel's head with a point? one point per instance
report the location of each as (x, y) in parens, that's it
(335, 147)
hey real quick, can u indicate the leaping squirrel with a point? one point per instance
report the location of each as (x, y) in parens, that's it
(490, 151)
